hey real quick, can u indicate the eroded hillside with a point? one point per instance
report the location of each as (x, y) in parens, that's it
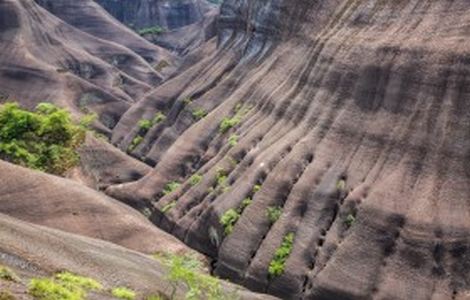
(311, 149)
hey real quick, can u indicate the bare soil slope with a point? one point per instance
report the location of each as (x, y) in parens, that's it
(352, 117)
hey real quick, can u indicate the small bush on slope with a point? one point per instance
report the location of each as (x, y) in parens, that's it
(45, 139)
(123, 293)
(7, 274)
(187, 270)
(276, 267)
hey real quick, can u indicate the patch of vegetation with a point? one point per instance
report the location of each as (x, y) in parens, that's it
(341, 184)
(87, 120)
(86, 283)
(256, 188)
(221, 185)
(227, 123)
(45, 139)
(151, 30)
(123, 293)
(273, 213)
(145, 124)
(7, 274)
(135, 142)
(233, 140)
(350, 220)
(158, 118)
(229, 219)
(231, 216)
(187, 271)
(161, 65)
(276, 267)
(168, 206)
(6, 295)
(195, 179)
(171, 187)
(187, 100)
(64, 286)
(199, 113)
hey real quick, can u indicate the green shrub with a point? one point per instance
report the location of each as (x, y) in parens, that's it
(276, 267)
(86, 283)
(199, 113)
(341, 184)
(64, 286)
(151, 30)
(187, 101)
(227, 123)
(256, 188)
(145, 125)
(6, 295)
(48, 289)
(233, 140)
(171, 187)
(273, 213)
(228, 220)
(187, 270)
(231, 216)
(154, 297)
(195, 179)
(7, 274)
(123, 293)
(221, 181)
(245, 203)
(158, 118)
(87, 120)
(350, 220)
(135, 142)
(45, 139)
(168, 206)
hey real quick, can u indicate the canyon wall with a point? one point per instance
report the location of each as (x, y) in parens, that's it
(350, 117)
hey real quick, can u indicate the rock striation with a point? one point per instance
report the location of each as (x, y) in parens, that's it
(350, 117)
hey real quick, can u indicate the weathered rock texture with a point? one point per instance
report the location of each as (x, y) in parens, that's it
(185, 23)
(354, 119)
(38, 251)
(46, 59)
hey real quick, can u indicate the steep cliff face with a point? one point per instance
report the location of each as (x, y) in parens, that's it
(184, 24)
(351, 118)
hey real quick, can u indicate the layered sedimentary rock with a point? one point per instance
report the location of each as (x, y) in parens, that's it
(44, 58)
(350, 117)
(36, 251)
(183, 24)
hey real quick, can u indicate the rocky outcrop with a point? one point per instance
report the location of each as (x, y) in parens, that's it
(350, 118)
(47, 59)
(184, 24)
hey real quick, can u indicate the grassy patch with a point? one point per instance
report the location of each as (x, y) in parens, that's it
(350, 220)
(151, 30)
(171, 187)
(123, 293)
(158, 118)
(231, 216)
(64, 286)
(233, 140)
(276, 267)
(229, 219)
(135, 142)
(85, 283)
(45, 139)
(199, 113)
(168, 206)
(145, 124)
(273, 213)
(195, 179)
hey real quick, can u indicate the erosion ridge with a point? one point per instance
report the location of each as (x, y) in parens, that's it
(355, 124)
